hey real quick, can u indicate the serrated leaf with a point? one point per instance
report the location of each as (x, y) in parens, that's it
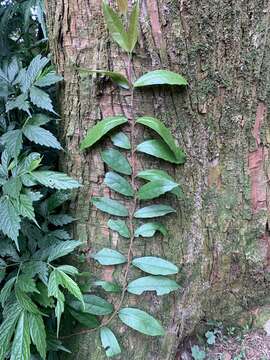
(141, 321)
(12, 187)
(25, 207)
(160, 77)
(88, 320)
(156, 174)
(155, 188)
(20, 102)
(93, 305)
(108, 256)
(100, 129)
(116, 77)
(155, 265)
(119, 226)
(21, 343)
(48, 79)
(6, 291)
(149, 230)
(26, 284)
(68, 269)
(62, 249)
(60, 219)
(109, 342)
(9, 219)
(41, 99)
(55, 180)
(38, 119)
(70, 285)
(25, 301)
(164, 132)
(117, 161)
(41, 136)
(153, 211)
(160, 150)
(110, 206)
(38, 333)
(7, 329)
(121, 140)
(133, 26)
(13, 142)
(115, 27)
(35, 67)
(160, 284)
(118, 183)
(108, 286)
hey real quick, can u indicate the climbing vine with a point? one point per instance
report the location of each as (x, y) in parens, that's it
(132, 219)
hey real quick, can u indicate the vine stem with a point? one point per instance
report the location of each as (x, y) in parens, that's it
(132, 210)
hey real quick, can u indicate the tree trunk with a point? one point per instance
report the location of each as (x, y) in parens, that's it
(220, 236)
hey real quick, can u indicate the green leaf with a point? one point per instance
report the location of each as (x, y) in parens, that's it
(108, 286)
(119, 226)
(160, 150)
(109, 342)
(41, 99)
(68, 269)
(121, 140)
(41, 136)
(115, 27)
(160, 284)
(35, 67)
(25, 207)
(116, 77)
(133, 26)
(6, 291)
(12, 187)
(25, 301)
(100, 129)
(155, 188)
(9, 219)
(38, 333)
(55, 180)
(26, 284)
(93, 305)
(155, 174)
(70, 285)
(160, 77)
(7, 329)
(117, 161)
(155, 265)
(48, 79)
(165, 133)
(197, 353)
(108, 256)
(118, 183)
(110, 206)
(88, 320)
(21, 343)
(149, 230)
(141, 321)
(13, 142)
(20, 102)
(62, 249)
(153, 211)
(60, 219)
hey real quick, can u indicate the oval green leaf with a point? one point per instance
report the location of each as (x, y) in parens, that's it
(160, 284)
(88, 320)
(117, 161)
(155, 188)
(115, 27)
(164, 132)
(108, 286)
(93, 305)
(117, 183)
(160, 77)
(110, 206)
(155, 265)
(156, 174)
(141, 321)
(152, 211)
(119, 226)
(116, 77)
(160, 150)
(109, 342)
(121, 140)
(108, 256)
(149, 230)
(100, 129)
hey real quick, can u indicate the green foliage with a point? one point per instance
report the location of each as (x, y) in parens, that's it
(158, 183)
(36, 284)
(197, 353)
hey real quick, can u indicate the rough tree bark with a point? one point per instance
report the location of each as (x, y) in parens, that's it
(220, 236)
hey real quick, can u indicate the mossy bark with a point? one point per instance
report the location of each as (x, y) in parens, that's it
(220, 236)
